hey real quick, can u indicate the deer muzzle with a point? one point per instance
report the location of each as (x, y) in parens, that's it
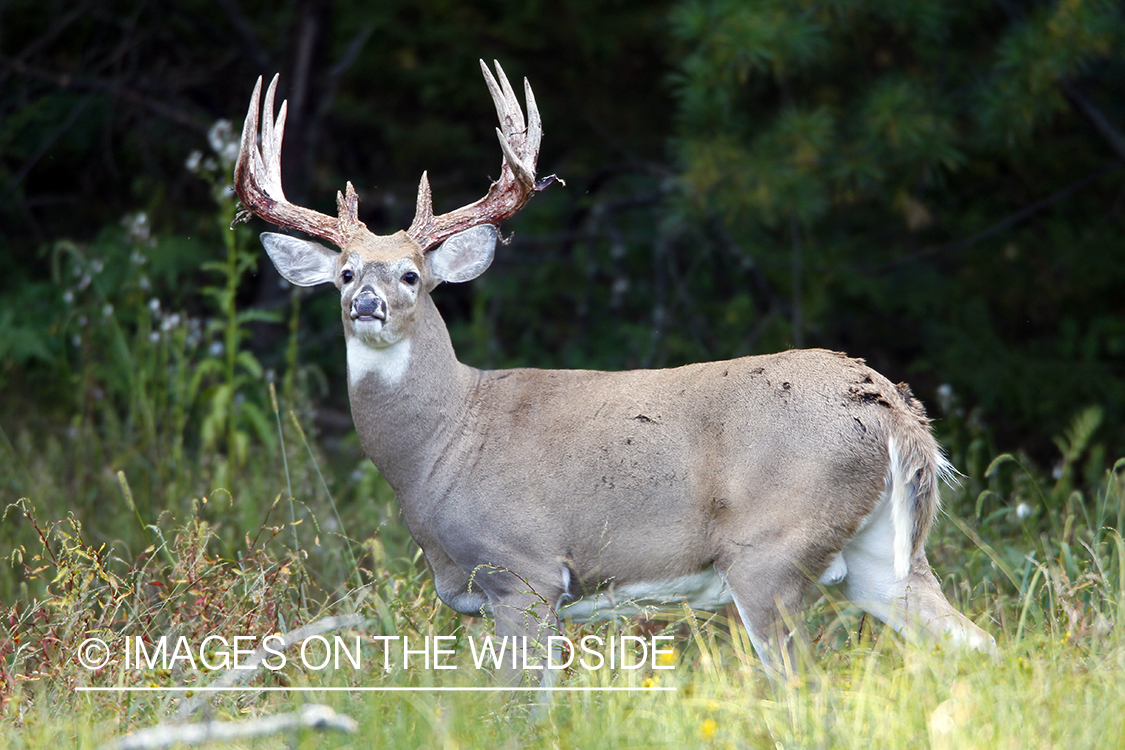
(369, 306)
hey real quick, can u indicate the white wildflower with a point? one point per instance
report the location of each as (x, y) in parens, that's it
(137, 228)
(193, 161)
(223, 142)
(945, 396)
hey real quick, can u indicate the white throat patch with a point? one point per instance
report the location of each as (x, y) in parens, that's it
(388, 363)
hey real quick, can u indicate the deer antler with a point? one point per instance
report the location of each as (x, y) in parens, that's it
(257, 180)
(519, 140)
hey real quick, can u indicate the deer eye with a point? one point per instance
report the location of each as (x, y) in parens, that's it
(410, 278)
(347, 276)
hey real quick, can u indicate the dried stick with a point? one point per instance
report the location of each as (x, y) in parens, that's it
(248, 668)
(309, 716)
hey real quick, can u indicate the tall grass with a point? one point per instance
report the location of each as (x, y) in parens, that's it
(164, 505)
(1037, 557)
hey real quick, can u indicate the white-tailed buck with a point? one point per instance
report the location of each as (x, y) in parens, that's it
(543, 495)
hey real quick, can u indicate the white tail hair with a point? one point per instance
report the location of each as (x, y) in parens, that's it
(913, 483)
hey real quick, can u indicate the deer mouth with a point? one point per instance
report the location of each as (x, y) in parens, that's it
(368, 308)
(369, 317)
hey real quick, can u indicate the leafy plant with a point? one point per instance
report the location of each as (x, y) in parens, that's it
(225, 379)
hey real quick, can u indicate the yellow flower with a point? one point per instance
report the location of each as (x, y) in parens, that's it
(707, 728)
(667, 658)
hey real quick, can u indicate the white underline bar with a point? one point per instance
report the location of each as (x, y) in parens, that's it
(368, 689)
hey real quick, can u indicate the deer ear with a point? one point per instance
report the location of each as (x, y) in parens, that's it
(301, 262)
(465, 255)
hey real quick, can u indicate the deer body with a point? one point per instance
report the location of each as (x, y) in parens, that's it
(651, 484)
(542, 495)
(601, 456)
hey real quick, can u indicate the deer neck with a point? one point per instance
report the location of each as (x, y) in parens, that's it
(408, 399)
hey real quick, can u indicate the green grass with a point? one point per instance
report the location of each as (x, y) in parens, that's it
(1050, 589)
(175, 495)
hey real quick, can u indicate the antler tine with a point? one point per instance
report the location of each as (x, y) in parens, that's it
(272, 135)
(519, 169)
(519, 141)
(248, 148)
(498, 99)
(257, 179)
(424, 207)
(534, 128)
(512, 119)
(347, 206)
(512, 122)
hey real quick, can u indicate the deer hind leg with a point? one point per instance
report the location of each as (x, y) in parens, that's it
(926, 608)
(768, 599)
(914, 605)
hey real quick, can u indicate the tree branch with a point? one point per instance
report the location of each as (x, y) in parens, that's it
(1005, 223)
(45, 146)
(1086, 107)
(1077, 98)
(112, 88)
(49, 36)
(309, 716)
(245, 31)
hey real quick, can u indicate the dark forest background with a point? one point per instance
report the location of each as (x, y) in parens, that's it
(935, 186)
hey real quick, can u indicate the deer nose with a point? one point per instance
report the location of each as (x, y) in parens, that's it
(368, 306)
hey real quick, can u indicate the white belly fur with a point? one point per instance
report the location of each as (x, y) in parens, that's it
(705, 590)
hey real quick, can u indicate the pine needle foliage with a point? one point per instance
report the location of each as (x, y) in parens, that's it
(909, 177)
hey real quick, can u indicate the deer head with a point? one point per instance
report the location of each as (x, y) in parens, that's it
(383, 278)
